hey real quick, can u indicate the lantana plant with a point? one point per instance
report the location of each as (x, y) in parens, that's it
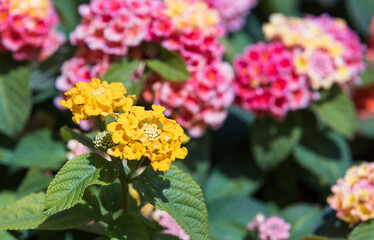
(131, 159)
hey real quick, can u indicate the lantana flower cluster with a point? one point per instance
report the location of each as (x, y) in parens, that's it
(302, 57)
(266, 81)
(28, 29)
(353, 196)
(107, 30)
(192, 29)
(272, 228)
(232, 13)
(327, 51)
(136, 133)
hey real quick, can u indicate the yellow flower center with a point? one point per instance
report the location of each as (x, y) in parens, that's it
(33, 8)
(152, 131)
(98, 91)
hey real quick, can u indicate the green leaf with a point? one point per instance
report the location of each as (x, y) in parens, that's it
(128, 226)
(220, 186)
(34, 181)
(6, 236)
(330, 226)
(76, 175)
(68, 15)
(235, 44)
(337, 111)
(38, 149)
(287, 7)
(303, 219)
(15, 101)
(367, 77)
(169, 65)
(364, 231)
(121, 72)
(67, 134)
(6, 156)
(74, 217)
(25, 213)
(228, 217)
(176, 193)
(325, 154)
(273, 141)
(360, 13)
(6, 197)
(111, 197)
(366, 127)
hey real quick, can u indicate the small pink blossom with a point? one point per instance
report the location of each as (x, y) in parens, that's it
(273, 228)
(172, 226)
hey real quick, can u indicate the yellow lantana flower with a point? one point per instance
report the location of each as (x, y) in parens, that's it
(93, 99)
(191, 15)
(139, 133)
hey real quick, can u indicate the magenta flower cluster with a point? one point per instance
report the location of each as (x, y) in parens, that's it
(28, 29)
(272, 228)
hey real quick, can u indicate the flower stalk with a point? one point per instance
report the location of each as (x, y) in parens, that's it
(124, 185)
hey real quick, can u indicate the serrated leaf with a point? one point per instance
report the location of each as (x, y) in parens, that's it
(325, 154)
(303, 219)
(67, 134)
(337, 111)
(360, 13)
(15, 101)
(38, 149)
(74, 217)
(4, 235)
(273, 141)
(169, 65)
(25, 213)
(128, 226)
(6, 197)
(34, 181)
(176, 193)
(121, 72)
(364, 231)
(67, 188)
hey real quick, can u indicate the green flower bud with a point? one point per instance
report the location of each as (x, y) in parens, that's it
(103, 140)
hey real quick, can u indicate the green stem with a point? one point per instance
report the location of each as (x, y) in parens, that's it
(124, 185)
